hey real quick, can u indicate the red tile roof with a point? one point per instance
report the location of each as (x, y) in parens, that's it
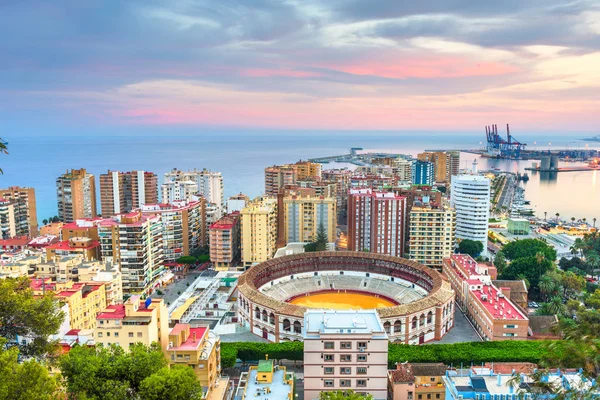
(64, 245)
(116, 311)
(190, 343)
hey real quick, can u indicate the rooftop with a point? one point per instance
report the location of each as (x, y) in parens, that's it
(265, 366)
(66, 244)
(116, 311)
(191, 342)
(277, 390)
(343, 321)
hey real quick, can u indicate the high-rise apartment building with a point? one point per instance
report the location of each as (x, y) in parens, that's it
(121, 192)
(183, 226)
(76, 195)
(403, 170)
(173, 191)
(259, 231)
(225, 242)
(376, 222)
(8, 219)
(209, 184)
(135, 242)
(423, 173)
(345, 350)
(25, 212)
(470, 197)
(237, 203)
(446, 163)
(304, 214)
(432, 228)
(279, 176)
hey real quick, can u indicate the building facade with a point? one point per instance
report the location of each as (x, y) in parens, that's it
(76, 195)
(415, 381)
(490, 309)
(376, 222)
(258, 231)
(278, 176)
(423, 173)
(470, 197)
(183, 224)
(304, 214)
(446, 164)
(208, 184)
(121, 192)
(135, 321)
(431, 232)
(344, 350)
(225, 242)
(237, 202)
(136, 243)
(25, 211)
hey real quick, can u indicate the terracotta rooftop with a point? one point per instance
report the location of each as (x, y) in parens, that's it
(190, 343)
(116, 311)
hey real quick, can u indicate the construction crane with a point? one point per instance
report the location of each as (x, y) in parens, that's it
(497, 146)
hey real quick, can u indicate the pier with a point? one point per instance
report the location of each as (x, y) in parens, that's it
(563, 169)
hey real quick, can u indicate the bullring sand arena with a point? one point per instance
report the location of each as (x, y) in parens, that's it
(414, 302)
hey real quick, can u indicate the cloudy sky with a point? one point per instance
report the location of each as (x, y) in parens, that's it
(301, 64)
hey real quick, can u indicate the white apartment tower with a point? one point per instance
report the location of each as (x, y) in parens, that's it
(344, 350)
(470, 197)
(209, 184)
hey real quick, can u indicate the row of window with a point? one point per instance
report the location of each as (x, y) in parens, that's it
(344, 357)
(345, 370)
(345, 383)
(116, 334)
(345, 345)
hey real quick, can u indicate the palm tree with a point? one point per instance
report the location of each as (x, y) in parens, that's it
(556, 306)
(45, 222)
(593, 261)
(545, 215)
(572, 220)
(3, 150)
(546, 286)
(584, 219)
(557, 215)
(594, 219)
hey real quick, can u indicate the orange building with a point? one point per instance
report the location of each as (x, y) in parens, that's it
(121, 192)
(25, 209)
(76, 195)
(88, 248)
(81, 228)
(225, 242)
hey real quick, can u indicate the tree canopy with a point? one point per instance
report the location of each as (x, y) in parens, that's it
(24, 316)
(529, 268)
(470, 247)
(176, 383)
(187, 260)
(23, 381)
(528, 248)
(320, 242)
(343, 395)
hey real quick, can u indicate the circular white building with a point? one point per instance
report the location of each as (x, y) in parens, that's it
(470, 196)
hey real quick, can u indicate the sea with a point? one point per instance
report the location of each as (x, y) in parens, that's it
(37, 160)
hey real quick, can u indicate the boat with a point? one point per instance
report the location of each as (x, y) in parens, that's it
(593, 139)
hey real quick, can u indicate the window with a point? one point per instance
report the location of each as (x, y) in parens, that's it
(131, 344)
(107, 333)
(361, 370)
(101, 322)
(437, 396)
(510, 326)
(328, 371)
(116, 334)
(432, 379)
(139, 334)
(362, 345)
(361, 383)
(130, 334)
(510, 334)
(429, 396)
(328, 345)
(99, 334)
(345, 370)
(345, 383)
(346, 345)
(328, 382)
(361, 358)
(345, 358)
(329, 357)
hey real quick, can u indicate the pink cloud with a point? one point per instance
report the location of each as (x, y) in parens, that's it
(268, 72)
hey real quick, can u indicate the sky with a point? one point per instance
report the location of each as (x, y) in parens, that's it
(299, 64)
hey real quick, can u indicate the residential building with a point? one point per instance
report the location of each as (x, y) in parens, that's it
(266, 381)
(446, 164)
(88, 248)
(470, 197)
(376, 222)
(279, 176)
(413, 381)
(497, 382)
(183, 224)
(489, 308)
(341, 178)
(302, 216)
(121, 192)
(136, 243)
(8, 219)
(212, 213)
(25, 212)
(258, 231)
(199, 348)
(135, 321)
(403, 170)
(432, 227)
(106, 273)
(423, 173)
(80, 228)
(376, 182)
(237, 202)
(344, 350)
(85, 299)
(225, 242)
(209, 184)
(52, 228)
(76, 195)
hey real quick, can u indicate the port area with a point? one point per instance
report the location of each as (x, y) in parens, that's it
(355, 158)
(564, 169)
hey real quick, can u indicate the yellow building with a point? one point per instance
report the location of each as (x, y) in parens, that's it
(266, 381)
(76, 195)
(307, 169)
(199, 348)
(446, 163)
(135, 321)
(303, 215)
(85, 299)
(417, 382)
(432, 229)
(259, 231)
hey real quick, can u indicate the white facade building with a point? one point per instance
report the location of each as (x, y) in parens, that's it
(173, 191)
(344, 350)
(209, 185)
(470, 197)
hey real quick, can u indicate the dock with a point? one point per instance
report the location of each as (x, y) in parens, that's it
(563, 169)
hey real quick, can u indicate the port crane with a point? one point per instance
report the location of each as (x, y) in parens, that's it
(499, 147)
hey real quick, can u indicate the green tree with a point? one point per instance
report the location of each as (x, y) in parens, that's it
(528, 248)
(470, 247)
(3, 150)
(23, 381)
(187, 260)
(547, 286)
(176, 383)
(500, 262)
(530, 268)
(554, 307)
(45, 222)
(110, 372)
(592, 259)
(23, 315)
(320, 242)
(343, 395)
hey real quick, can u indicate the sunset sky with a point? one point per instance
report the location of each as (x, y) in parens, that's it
(301, 64)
